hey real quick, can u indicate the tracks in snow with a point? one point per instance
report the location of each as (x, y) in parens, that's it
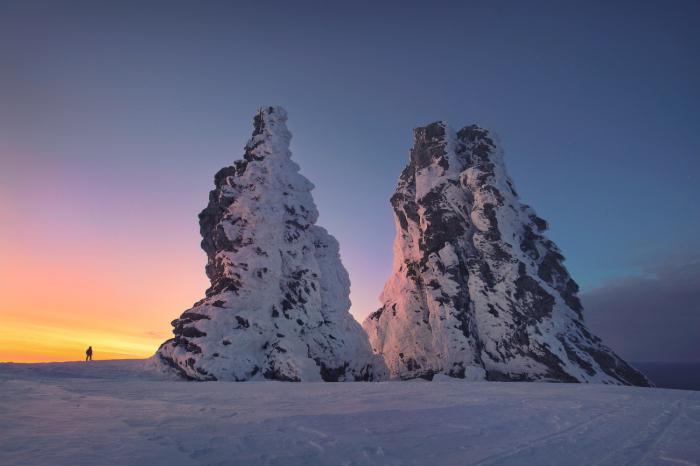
(546, 439)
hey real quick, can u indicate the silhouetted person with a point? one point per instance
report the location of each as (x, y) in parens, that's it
(88, 354)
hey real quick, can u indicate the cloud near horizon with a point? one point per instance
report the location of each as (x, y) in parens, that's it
(651, 317)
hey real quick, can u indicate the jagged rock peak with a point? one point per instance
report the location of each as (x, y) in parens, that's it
(269, 125)
(477, 290)
(278, 303)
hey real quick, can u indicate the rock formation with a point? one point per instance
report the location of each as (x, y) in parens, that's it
(277, 307)
(477, 290)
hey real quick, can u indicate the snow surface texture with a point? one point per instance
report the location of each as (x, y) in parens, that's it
(477, 291)
(109, 413)
(278, 303)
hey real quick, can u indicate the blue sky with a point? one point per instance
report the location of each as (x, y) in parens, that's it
(131, 107)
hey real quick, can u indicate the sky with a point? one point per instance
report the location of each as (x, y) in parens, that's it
(114, 117)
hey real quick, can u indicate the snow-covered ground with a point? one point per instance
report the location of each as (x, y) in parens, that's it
(114, 413)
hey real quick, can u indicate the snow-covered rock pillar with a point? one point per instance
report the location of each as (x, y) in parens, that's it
(477, 291)
(278, 303)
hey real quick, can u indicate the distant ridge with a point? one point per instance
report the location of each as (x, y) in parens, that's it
(678, 375)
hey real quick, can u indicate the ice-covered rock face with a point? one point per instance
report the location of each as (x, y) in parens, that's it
(477, 291)
(277, 307)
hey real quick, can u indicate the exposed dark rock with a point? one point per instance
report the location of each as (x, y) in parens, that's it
(273, 273)
(478, 292)
(192, 332)
(242, 323)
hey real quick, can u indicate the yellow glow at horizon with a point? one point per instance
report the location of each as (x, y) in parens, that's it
(36, 342)
(68, 282)
(58, 299)
(55, 303)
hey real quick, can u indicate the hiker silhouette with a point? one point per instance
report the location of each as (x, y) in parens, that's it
(88, 354)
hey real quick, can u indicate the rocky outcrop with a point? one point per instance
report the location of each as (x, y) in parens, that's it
(477, 290)
(278, 303)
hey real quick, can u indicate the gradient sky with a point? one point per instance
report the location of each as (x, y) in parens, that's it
(114, 117)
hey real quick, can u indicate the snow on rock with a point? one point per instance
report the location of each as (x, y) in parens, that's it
(278, 303)
(477, 290)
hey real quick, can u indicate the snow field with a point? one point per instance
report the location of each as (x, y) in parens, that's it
(116, 413)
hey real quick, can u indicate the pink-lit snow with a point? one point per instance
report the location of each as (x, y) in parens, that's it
(117, 413)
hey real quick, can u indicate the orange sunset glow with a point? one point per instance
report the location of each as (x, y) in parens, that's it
(79, 269)
(372, 233)
(75, 300)
(72, 280)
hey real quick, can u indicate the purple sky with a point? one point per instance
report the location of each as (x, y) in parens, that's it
(114, 116)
